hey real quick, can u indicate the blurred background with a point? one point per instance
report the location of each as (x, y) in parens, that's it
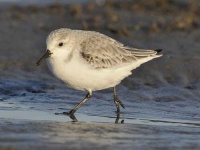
(163, 90)
(172, 25)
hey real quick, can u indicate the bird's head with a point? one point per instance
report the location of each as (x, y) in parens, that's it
(57, 44)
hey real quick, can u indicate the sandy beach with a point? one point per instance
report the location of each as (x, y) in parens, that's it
(162, 97)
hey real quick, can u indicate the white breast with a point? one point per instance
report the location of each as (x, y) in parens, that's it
(81, 76)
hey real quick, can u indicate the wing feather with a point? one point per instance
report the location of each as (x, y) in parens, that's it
(101, 51)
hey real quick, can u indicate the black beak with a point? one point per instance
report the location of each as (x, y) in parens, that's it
(46, 55)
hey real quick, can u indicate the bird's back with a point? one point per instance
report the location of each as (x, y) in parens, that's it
(101, 51)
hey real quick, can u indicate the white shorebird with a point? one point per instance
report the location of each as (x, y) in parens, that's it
(90, 61)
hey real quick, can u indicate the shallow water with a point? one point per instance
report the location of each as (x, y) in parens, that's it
(53, 97)
(22, 112)
(21, 124)
(161, 98)
(27, 113)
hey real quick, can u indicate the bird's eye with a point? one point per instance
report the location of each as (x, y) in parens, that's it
(60, 44)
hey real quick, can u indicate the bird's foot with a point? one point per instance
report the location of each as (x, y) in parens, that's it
(70, 114)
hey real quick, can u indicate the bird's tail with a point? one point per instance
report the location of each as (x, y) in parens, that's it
(159, 52)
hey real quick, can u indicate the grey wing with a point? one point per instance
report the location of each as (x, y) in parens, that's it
(101, 51)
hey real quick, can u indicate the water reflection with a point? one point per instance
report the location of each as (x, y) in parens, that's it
(74, 119)
(21, 112)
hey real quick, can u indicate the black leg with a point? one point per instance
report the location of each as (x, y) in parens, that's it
(87, 97)
(71, 112)
(117, 101)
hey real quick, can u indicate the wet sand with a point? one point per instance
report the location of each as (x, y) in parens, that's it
(40, 129)
(60, 135)
(162, 97)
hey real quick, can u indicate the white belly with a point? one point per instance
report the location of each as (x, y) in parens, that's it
(81, 76)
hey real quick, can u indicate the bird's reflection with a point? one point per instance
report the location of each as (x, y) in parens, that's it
(117, 119)
(74, 119)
